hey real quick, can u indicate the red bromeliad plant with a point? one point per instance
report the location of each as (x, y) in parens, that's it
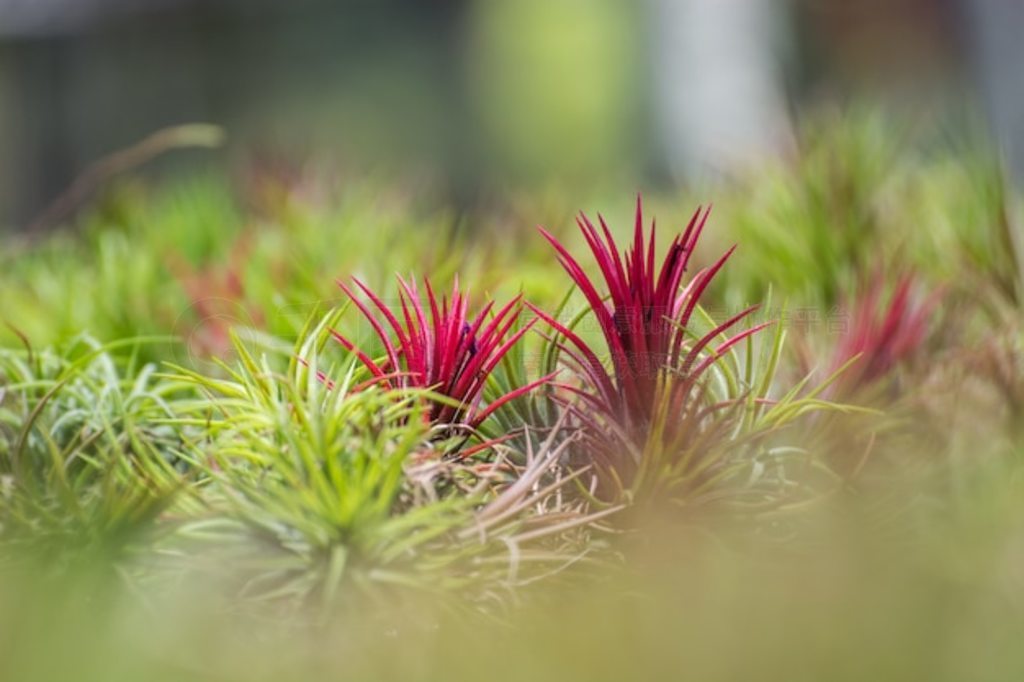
(878, 337)
(650, 403)
(435, 345)
(883, 333)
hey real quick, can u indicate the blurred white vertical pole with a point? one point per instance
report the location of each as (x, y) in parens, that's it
(718, 88)
(998, 42)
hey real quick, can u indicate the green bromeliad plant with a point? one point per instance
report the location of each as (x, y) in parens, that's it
(318, 491)
(88, 460)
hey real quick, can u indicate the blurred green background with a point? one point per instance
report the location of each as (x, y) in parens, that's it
(475, 97)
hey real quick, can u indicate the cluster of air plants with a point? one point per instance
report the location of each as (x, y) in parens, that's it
(468, 443)
(327, 490)
(88, 459)
(681, 402)
(459, 444)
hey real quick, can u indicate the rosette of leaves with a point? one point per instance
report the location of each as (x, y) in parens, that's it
(87, 458)
(683, 401)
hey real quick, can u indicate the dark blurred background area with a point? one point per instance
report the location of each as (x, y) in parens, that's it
(478, 94)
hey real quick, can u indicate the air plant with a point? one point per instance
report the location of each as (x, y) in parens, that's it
(439, 347)
(880, 335)
(87, 461)
(877, 335)
(651, 401)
